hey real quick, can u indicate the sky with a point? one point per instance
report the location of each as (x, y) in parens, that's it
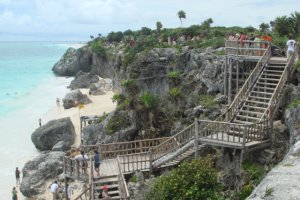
(76, 20)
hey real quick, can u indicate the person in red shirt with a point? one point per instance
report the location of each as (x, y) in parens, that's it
(242, 38)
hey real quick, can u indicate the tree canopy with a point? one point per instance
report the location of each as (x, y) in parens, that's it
(181, 15)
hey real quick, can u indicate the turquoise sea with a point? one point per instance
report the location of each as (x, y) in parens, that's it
(28, 89)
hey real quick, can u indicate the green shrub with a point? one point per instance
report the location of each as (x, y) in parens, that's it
(175, 92)
(298, 64)
(97, 48)
(133, 179)
(294, 104)
(149, 100)
(207, 101)
(103, 116)
(173, 75)
(118, 122)
(117, 98)
(191, 180)
(123, 105)
(254, 173)
(128, 83)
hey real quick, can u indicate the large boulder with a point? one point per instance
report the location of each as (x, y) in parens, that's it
(101, 86)
(74, 98)
(48, 135)
(74, 61)
(83, 80)
(37, 171)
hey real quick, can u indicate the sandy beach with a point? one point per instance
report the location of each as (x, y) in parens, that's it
(99, 105)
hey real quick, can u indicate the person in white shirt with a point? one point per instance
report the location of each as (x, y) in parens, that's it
(290, 47)
(54, 190)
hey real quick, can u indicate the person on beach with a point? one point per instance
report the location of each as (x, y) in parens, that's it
(97, 162)
(40, 122)
(58, 102)
(17, 173)
(54, 190)
(14, 194)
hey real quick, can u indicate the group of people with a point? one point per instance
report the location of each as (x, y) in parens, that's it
(259, 42)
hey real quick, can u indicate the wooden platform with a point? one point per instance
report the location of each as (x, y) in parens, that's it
(230, 141)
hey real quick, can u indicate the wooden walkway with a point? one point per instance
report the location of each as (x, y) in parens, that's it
(246, 125)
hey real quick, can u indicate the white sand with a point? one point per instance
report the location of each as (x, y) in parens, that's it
(101, 104)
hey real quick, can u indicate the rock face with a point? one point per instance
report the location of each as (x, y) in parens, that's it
(48, 135)
(105, 132)
(37, 171)
(101, 86)
(83, 80)
(74, 98)
(282, 182)
(74, 61)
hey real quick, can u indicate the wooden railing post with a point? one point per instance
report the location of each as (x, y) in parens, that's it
(196, 140)
(244, 136)
(150, 152)
(65, 165)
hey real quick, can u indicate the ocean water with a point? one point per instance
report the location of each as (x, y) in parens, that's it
(28, 89)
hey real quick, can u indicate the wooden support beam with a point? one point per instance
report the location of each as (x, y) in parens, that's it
(196, 141)
(230, 81)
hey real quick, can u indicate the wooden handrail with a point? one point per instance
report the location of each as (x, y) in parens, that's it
(281, 83)
(84, 193)
(122, 183)
(173, 142)
(233, 108)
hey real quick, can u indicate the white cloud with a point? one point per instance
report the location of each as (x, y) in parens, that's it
(60, 18)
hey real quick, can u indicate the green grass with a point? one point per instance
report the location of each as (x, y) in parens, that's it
(173, 75)
(128, 83)
(149, 100)
(294, 104)
(268, 191)
(118, 122)
(175, 92)
(207, 101)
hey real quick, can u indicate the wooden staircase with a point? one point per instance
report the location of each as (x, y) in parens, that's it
(259, 96)
(111, 182)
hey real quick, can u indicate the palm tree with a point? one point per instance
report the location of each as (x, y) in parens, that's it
(158, 26)
(181, 15)
(295, 18)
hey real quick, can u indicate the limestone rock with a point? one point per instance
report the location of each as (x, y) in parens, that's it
(74, 98)
(100, 133)
(74, 61)
(48, 135)
(101, 86)
(83, 80)
(38, 170)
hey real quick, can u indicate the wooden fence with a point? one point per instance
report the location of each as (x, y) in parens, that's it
(246, 48)
(175, 142)
(135, 162)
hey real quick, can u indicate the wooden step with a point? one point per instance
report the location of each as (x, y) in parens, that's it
(253, 107)
(107, 180)
(265, 83)
(257, 102)
(111, 186)
(276, 66)
(257, 97)
(264, 93)
(275, 75)
(251, 112)
(268, 79)
(273, 71)
(248, 117)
